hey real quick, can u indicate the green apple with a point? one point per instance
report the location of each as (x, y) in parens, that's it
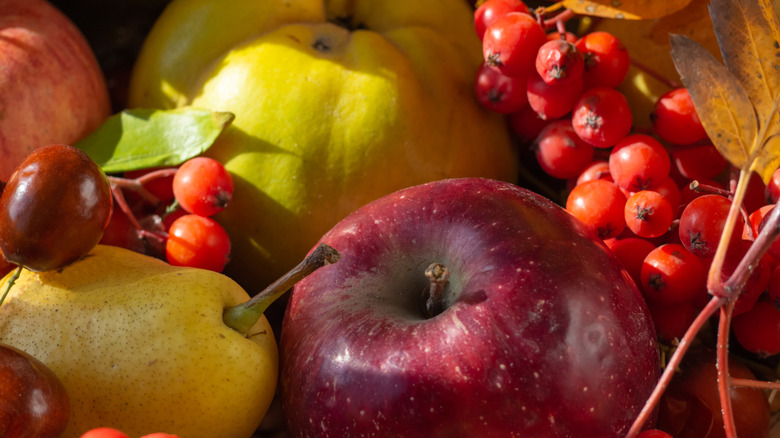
(337, 103)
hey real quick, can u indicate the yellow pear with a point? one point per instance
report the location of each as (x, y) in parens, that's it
(142, 346)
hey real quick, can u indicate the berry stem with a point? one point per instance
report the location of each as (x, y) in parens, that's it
(160, 173)
(750, 383)
(674, 362)
(243, 316)
(708, 189)
(724, 381)
(119, 200)
(654, 74)
(714, 282)
(555, 21)
(11, 282)
(134, 185)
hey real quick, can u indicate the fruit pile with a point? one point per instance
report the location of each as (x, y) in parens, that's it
(659, 199)
(247, 156)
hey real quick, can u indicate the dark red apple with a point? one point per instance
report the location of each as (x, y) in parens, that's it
(33, 402)
(541, 332)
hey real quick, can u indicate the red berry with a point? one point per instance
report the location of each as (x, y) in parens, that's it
(560, 152)
(758, 330)
(691, 405)
(761, 215)
(702, 222)
(599, 205)
(699, 162)
(648, 214)
(669, 190)
(757, 282)
(567, 36)
(639, 162)
(160, 435)
(606, 59)
(122, 233)
(752, 227)
(198, 242)
(653, 433)
(672, 320)
(631, 253)
(559, 61)
(755, 194)
(602, 117)
(510, 44)
(104, 432)
(773, 288)
(488, 12)
(161, 187)
(598, 169)
(773, 187)
(203, 186)
(675, 120)
(673, 275)
(500, 93)
(552, 101)
(526, 124)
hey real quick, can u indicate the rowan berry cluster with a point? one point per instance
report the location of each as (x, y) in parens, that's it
(167, 213)
(659, 199)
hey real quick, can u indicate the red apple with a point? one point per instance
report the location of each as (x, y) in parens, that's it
(541, 332)
(33, 401)
(51, 87)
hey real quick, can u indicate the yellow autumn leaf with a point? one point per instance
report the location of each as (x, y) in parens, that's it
(747, 33)
(626, 9)
(721, 101)
(647, 41)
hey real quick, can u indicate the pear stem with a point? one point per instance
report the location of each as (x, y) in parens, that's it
(11, 282)
(243, 316)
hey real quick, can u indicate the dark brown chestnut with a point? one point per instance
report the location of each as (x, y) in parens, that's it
(33, 400)
(53, 209)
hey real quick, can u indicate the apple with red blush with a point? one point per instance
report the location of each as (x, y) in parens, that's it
(52, 89)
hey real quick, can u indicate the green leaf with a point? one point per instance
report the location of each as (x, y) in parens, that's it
(142, 138)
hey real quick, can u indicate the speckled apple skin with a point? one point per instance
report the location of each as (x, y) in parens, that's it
(52, 89)
(544, 334)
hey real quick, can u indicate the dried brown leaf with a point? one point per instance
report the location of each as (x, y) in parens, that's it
(626, 9)
(721, 101)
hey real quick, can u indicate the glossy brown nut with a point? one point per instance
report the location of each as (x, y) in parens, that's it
(33, 401)
(53, 209)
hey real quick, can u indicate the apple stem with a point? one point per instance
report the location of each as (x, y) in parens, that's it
(438, 275)
(243, 316)
(11, 281)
